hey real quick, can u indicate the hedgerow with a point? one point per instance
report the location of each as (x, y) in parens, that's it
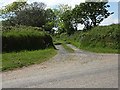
(25, 38)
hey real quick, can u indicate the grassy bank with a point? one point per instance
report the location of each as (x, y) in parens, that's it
(95, 49)
(14, 60)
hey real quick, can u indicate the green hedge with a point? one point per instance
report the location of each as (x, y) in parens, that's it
(25, 38)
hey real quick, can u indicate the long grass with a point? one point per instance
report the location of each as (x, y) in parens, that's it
(14, 60)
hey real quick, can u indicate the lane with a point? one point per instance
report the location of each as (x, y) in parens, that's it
(67, 70)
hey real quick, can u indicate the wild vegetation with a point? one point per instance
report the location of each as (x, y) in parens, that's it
(102, 39)
(22, 46)
(66, 19)
(25, 38)
(28, 27)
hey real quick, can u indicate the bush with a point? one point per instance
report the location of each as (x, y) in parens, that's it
(25, 38)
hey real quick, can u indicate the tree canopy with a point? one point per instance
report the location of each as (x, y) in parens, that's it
(66, 19)
(91, 13)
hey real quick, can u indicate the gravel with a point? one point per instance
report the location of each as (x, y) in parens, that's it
(80, 69)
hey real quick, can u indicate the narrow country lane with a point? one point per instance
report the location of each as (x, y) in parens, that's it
(80, 69)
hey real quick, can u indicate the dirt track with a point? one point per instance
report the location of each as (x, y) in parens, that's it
(80, 69)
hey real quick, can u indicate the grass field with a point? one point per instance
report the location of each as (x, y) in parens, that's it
(14, 60)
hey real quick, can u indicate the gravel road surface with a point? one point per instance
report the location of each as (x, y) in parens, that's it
(80, 69)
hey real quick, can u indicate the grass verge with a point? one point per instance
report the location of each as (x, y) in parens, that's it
(95, 49)
(67, 48)
(14, 60)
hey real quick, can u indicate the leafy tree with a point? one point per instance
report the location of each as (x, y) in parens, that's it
(48, 27)
(21, 13)
(32, 15)
(77, 16)
(61, 28)
(91, 13)
(65, 23)
(67, 19)
(11, 9)
(50, 21)
(50, 15)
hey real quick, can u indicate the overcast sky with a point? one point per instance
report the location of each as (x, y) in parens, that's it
(54, 3)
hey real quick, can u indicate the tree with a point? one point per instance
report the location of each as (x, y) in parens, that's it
(91, 13)
(77, 16)
(68, 23)
(32, 15)
(21, 13)
(8, 13)
(64, 19)
(50, 15)
(48, 27)
(50, 21)
(11, 9)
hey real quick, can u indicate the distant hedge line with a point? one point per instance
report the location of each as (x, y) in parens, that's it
(25, 38)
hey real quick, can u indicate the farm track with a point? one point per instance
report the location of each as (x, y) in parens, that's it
(80, 69)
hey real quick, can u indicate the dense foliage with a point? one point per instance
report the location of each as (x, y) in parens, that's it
(25, 38)
(66, 19)
(91, 13)
(34, 14)
(100, 37)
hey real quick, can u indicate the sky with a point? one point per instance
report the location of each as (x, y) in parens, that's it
(53, 4)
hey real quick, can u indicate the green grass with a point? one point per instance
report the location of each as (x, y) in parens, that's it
(67, 48)
(14, 60)
(95, 49)
(101, 50)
